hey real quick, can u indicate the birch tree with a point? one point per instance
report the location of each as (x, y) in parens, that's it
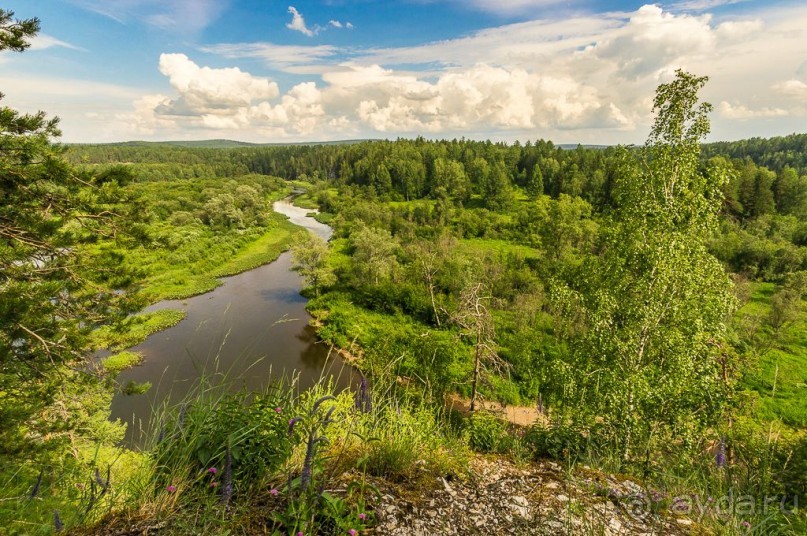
(648, 363)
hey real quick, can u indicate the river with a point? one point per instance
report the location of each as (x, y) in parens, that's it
(250, 330)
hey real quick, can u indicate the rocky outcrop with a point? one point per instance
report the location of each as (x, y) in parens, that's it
(499, 497)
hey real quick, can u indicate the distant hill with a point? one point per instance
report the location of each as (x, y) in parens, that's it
(570, 146)
(217, 144)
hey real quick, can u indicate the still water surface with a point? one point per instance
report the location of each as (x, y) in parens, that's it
(252, 329)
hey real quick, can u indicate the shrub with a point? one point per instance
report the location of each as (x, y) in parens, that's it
(488, 433)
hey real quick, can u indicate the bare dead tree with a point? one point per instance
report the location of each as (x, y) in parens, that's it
(475, 321)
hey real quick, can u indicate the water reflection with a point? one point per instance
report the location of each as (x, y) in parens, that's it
(251, 329)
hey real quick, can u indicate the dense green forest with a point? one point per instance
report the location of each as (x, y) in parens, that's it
(647, 303)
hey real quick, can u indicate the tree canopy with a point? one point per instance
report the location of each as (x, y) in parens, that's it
(48, 299)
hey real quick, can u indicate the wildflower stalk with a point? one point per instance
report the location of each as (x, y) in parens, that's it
(227, 477)
(35, 490)
(720, 455)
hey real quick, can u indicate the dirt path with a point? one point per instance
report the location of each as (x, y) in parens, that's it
(518, 415)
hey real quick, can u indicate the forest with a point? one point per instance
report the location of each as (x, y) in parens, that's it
(647, 302)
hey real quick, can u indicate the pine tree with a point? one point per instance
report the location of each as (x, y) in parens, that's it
(47, 302)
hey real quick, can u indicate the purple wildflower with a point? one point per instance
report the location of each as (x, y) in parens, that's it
(746, 524)
(171, 488)
(362, 516)
(273, 492)
(720, 456)
(352, 532)
(363, 398)
(300, 533)
(212, 470)
(214, 484)
(278, 410)
(292, 422)
(308, 462)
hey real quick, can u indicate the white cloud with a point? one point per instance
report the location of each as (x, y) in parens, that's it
(732, 31)
(43, 41)
(792, 88)
(292, 58)
(702, 5)
(373, 99)
(654, 41)
(506, 7)
(224, 100)
(739, 111)
(72, 100)
(205, 91)
(298, 23)
(583, 79)
(339, 24)
(185, 16)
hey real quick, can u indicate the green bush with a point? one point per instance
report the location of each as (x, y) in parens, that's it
(488, 433)
(559, 441)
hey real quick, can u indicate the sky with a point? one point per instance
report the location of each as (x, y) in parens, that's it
(577, 71)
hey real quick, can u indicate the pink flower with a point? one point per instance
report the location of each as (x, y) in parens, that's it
(273, 492)
(300, 533)
(171, 488)
(352, 532)
(212, 470)
(362, 516)
(278, 410)
(214, 484)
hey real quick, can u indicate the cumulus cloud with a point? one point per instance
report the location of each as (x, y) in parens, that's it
(339, 24)
(740, 111)
(792, 88)
(298, 23)
(372, 98)
(587, 78)
(203, 91)
(653, 41)
(224, 100)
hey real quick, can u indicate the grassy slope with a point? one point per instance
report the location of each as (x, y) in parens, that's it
(780, 376)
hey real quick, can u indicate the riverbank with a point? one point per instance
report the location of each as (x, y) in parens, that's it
(189, 262)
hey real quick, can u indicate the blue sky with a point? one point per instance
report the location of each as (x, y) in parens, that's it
(264, 70)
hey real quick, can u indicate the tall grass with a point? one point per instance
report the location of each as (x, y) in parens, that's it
(273, 460)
